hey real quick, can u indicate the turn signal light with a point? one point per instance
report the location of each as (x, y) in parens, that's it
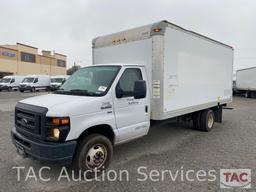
(60, 121)
(56, 121)
(65, 121)
(157, 29)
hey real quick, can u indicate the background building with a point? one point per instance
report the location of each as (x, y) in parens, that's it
(21, 59)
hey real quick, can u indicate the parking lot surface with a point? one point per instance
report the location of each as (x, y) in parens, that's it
(169, 146)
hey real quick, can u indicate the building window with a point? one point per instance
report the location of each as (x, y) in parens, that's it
(27, 57)
(61, 63)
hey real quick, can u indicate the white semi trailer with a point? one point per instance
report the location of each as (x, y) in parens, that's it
(154, 72)
(246, 81)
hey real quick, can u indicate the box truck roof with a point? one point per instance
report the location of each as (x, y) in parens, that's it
(144, 32)
(120, 64)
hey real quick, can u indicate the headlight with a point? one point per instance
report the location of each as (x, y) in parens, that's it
(57, 128)
(56, 133)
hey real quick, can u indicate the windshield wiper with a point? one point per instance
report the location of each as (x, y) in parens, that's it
(76, 92)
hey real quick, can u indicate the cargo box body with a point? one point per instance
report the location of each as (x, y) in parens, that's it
(187, 72)
(246, 79)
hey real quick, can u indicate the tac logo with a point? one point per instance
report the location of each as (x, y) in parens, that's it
(235, 178)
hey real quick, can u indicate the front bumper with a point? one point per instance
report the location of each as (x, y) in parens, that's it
(61, 153)
(54, 88)
(25, 88)
(4, 87)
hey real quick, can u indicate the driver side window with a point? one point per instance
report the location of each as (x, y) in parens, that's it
(127, 81)
(36, 80)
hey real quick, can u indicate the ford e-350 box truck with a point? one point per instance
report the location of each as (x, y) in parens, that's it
(154, 72)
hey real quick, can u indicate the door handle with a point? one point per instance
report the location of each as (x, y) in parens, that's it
(146, 109)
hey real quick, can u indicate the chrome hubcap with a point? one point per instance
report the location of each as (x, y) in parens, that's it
(96, 156)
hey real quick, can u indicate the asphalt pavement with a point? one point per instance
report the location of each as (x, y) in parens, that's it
(170, 146)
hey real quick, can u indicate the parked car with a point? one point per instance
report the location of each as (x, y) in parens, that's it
(57, 81)
(35, 83)
(11, 83)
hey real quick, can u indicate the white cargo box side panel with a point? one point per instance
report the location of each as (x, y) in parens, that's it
(135, 52)
(197, 72)
(246, 79)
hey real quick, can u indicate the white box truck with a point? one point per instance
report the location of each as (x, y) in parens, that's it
(11, 83)
(246, 81)
(154, 72)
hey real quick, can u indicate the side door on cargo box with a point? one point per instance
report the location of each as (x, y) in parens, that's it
(132, 115)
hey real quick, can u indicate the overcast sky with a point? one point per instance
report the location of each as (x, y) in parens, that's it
(68, 26)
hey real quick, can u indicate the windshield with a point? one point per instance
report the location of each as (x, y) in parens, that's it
(6, 80)
(56, 80)
(90, 81)
(28, 80)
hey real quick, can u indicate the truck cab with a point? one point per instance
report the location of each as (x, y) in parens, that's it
(89, 114)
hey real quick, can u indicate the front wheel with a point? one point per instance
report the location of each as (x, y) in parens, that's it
(93, 155)
(9, 89)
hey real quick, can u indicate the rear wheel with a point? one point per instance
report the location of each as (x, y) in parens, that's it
(93, 155)
(207, 120)
(197, 120)
(247, 94)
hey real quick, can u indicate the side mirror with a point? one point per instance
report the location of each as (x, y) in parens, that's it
(140, 89)
(12, 81)
(119, 92)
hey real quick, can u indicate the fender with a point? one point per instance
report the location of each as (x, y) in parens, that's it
(81, 123)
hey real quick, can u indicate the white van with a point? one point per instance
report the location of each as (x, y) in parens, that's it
(35, 83)
(10, 83)
(57, 81)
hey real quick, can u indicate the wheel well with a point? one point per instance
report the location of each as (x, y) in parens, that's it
(104, 129)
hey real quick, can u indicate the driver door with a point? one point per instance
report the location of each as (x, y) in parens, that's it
(132, 115)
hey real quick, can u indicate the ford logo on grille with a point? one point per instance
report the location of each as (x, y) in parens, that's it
(25, 121)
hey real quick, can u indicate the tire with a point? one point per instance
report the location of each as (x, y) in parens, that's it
(33, 89)
(9, 89)
(83, 161)
(247, 94)
(196, 120)
(21, 91)
(207, 120)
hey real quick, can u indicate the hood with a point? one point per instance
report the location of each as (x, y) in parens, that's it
(26, 83)
(4, 83)
(66, 105)
(55, 83)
